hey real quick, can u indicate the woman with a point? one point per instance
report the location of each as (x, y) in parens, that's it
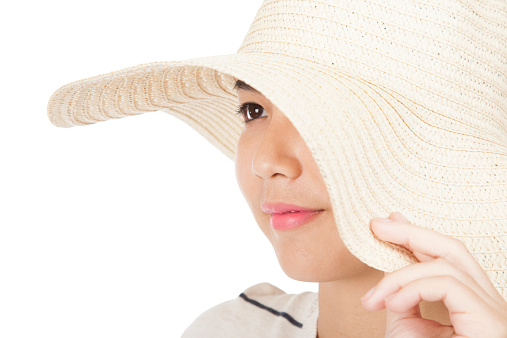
(349, 111)
(272, 156)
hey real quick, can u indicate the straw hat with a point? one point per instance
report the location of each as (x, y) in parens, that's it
(403, 105)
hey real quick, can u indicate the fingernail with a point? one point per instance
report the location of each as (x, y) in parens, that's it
(399, 214)
(383, 220)
(369, 293)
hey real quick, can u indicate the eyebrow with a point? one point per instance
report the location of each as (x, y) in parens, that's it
(242, 85)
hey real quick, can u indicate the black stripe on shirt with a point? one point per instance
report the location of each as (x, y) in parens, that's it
(273, 311)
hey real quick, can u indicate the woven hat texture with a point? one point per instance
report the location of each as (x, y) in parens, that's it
(403, 105)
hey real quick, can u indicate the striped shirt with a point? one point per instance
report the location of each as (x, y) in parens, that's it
(262, 310)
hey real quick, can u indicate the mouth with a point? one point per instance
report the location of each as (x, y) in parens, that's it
(292, 219)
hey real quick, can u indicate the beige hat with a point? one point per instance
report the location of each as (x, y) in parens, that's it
(403, 105)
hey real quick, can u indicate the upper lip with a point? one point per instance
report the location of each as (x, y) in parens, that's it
(280, 208)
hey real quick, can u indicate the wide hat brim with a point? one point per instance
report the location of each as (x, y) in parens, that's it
(377, 151)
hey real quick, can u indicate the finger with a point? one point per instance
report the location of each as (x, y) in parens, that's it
(469, 315)
(426, 242)
(396, 280)
(457, 297)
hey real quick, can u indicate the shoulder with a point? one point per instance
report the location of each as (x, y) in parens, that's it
(261, 310)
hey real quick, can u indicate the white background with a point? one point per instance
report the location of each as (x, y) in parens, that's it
(129, 227)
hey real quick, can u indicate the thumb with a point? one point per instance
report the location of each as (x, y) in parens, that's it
(399, 217)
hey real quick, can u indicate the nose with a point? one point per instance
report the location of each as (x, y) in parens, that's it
(278, 151)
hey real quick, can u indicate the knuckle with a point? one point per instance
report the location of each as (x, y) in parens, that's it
(454, 251)
(458, 245)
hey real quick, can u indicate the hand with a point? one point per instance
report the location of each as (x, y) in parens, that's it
(446, 272)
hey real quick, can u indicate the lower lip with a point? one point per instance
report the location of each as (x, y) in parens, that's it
(292, 220)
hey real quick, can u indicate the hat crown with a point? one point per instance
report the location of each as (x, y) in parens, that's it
(452, 51)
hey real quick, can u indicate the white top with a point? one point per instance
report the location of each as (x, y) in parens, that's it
(262, 310)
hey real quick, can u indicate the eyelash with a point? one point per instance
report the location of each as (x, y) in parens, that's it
(241, 111)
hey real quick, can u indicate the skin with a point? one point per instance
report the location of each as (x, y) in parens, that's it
(273, 164)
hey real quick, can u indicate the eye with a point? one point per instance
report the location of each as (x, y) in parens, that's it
(250, 111)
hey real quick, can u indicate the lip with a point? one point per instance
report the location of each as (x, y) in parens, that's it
(283, 219)
(281, 208)
(290, 221)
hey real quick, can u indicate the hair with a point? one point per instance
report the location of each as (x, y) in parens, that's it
(245, 86)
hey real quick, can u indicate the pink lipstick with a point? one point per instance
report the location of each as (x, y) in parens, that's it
(289, 216)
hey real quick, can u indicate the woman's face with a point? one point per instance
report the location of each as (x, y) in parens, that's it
(273, 164)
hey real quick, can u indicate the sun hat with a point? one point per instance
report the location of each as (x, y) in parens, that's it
(403, 105)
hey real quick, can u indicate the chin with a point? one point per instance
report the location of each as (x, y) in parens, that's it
(305, 266)
(321, 264)
(307, 276)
